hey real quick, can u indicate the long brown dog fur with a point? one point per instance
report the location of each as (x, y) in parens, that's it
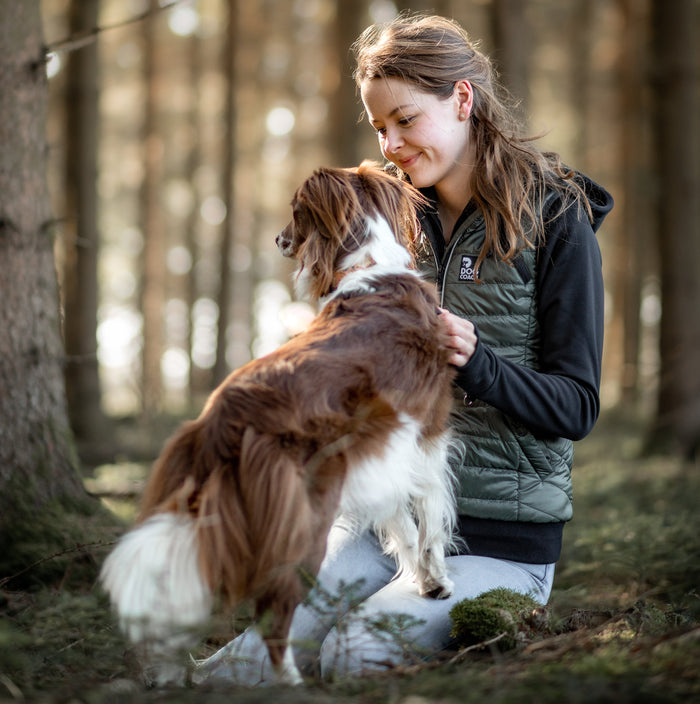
(261, 470)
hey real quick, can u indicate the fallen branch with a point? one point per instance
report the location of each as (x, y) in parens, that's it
(477, 646)
(79, 547)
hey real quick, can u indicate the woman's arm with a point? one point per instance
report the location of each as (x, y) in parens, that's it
(561, 398)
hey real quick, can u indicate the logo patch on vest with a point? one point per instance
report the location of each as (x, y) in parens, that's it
(466, 269)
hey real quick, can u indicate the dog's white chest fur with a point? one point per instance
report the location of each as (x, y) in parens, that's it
(402, 494)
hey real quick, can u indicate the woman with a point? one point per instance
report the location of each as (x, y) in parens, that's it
(509, 239)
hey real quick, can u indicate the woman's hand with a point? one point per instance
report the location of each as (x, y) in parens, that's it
(462, 337)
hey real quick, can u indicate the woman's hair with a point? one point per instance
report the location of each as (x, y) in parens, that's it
(510, 175)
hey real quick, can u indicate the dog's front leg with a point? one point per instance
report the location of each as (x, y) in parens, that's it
(432, 572)
(436, 518)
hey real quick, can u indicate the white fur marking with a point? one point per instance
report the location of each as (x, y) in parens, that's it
(406, 495)
(381, 247)
(154, 582)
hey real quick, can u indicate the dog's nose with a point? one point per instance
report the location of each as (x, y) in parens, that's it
(284, 244)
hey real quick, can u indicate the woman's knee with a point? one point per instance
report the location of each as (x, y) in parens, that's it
(395, 626)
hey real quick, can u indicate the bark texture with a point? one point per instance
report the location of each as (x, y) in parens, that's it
(38, 468)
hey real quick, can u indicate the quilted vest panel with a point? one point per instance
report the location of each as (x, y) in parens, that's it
(504, 471)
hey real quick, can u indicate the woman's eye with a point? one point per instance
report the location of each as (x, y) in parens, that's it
(405, 121)
(381, 131)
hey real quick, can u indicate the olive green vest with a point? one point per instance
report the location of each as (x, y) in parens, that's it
(504, 471)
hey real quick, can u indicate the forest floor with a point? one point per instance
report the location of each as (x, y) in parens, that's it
(623, 621)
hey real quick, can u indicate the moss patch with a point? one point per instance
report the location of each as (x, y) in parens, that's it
(64, 544)
(500, 612)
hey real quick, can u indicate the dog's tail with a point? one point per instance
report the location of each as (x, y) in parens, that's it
(154, 583)
(248, 525)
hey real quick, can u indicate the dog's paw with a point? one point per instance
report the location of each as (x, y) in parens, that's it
(437, 589)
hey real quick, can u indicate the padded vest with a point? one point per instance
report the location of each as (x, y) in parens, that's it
(504, 471)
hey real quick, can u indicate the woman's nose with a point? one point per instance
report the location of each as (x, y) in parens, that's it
(393, 141)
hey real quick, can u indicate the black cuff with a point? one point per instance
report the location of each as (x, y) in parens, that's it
(476, 375)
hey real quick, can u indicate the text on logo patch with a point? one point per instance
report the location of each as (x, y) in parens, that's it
(466, 269)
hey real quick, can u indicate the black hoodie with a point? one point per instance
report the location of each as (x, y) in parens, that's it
(561, 397)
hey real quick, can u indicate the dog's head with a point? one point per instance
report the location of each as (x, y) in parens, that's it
(345, 219)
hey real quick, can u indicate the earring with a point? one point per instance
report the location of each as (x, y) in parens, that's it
(462, 116)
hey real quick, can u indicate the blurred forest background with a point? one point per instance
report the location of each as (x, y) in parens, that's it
(178, 132)
(148, 153)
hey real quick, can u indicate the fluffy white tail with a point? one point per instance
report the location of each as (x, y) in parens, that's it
(155, 585)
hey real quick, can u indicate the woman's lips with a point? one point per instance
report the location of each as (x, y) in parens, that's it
(408, 161)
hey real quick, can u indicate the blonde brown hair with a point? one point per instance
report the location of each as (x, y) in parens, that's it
(510, 175)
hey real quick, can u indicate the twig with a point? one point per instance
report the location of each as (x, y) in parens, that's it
(78, 41)
(477, 646)
(71, 645)
(77, 548)
(11, 687)
(436, 662)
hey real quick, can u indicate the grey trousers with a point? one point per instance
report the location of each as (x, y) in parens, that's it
(362, 618)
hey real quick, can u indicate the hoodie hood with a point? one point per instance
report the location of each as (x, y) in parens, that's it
(600, 200)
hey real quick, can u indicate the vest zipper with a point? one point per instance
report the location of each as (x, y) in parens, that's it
(442, 270)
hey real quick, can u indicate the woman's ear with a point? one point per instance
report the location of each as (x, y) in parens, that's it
(464, 96)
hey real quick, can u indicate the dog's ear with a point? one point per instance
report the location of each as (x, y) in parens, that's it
(332, 203)
(318, 258)
(333, 215)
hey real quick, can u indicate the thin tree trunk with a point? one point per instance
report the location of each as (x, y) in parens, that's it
(228, 226)
(633, 233)
(194, 159)
(344, 105)
(153, 273)
(80, 291)
(582, 36)
(678, 185)
(511, 36)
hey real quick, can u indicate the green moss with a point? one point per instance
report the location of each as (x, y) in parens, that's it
(13, 643)
(499, 611)
(54, 635)
(63, 542)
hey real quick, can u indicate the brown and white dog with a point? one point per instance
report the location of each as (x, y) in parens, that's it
(349, 416)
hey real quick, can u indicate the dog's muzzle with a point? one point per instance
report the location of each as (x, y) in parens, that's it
(285, 243)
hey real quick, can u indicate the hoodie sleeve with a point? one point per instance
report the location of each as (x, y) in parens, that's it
(561, 398)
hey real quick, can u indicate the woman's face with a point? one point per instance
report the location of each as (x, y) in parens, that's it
(427, 137)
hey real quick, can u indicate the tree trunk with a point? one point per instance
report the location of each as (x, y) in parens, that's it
(632, 239)
(344, 106)
(38, 467)
(582, 87)
(678, 232)
(80, 273)
(511, 37)
(153, 272)
(226, 283)
(194, 160)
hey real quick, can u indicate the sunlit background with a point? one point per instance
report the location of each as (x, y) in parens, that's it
(286, 117)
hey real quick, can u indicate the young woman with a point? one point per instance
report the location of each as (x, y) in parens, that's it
(509, 238)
